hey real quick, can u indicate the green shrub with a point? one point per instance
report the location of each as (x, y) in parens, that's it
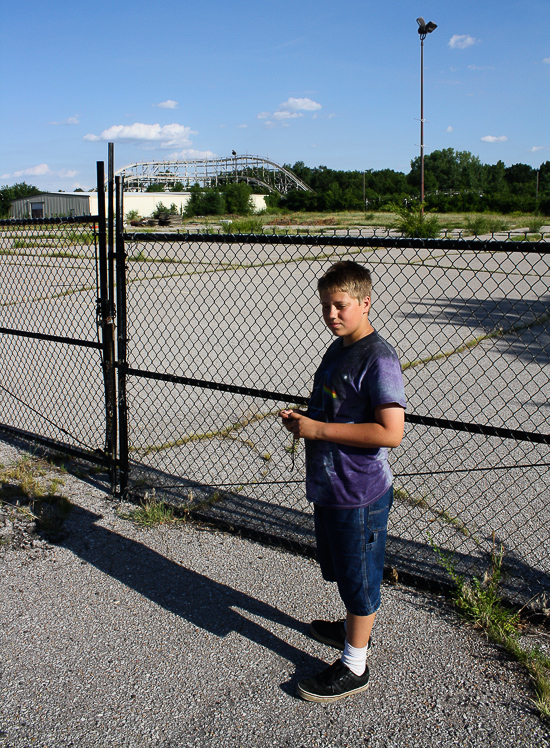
(477, 225)
(244, 226)
(535, 224)
(497, 225)
(160, 209)
(413, 222)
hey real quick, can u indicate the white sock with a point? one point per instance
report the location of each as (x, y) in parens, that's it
(355, 658)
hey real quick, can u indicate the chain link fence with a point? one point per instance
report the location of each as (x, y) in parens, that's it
(51, 379)
(224, 331)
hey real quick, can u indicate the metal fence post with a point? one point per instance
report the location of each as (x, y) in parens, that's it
(122, 365)
(111, 227)
(106, 323)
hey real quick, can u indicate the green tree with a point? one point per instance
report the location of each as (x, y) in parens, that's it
(209, 202)
(494, 180)
(7, 194)
(237, 198)
(447, 170)
(521, 179)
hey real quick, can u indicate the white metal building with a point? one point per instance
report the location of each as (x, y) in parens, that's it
(52, 204)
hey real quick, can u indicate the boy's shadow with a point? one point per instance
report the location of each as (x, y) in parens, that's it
(203, 602)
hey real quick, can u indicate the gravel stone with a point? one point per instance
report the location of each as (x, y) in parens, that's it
(180, 636)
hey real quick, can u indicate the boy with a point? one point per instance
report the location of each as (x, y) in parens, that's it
(356, 411)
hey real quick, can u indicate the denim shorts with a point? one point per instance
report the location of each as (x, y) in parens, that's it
(351, 544)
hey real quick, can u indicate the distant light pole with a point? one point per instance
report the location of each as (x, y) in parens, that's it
(423, 29)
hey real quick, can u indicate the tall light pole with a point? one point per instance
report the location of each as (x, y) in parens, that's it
(423, 29)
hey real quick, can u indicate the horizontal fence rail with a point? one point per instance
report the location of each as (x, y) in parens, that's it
(225, 330)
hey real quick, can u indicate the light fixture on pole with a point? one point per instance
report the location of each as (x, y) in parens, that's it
(423, 29)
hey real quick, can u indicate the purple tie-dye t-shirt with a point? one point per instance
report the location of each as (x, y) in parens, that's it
(348, 385)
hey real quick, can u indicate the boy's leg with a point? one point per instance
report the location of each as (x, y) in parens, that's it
(352, 550)
(358, 629)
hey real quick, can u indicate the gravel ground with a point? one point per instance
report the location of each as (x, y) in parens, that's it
(182, 636)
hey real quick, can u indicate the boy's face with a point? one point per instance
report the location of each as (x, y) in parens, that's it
(345, 316)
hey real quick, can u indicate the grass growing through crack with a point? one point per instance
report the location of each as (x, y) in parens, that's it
(227, 432)
(497, 332)
(152, 512)
(479, 601)
(27, 488)
(401, 494)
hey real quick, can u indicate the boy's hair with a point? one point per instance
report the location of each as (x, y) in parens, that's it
(348, 277)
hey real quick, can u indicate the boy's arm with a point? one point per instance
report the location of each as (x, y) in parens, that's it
(386, 431)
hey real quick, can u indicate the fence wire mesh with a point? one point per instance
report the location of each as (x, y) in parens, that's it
(51, 381)
(224, 331)
(470, 321)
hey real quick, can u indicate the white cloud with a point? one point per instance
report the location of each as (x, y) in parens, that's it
(168, 104)
(33, 171)
(449, 129)
(285, 115)
(69, 121)
(547, 60)
(168, 136)
(300, 105)
(290, 109)
(462, 41)
(536, 148)
(189, 154)
(41, 170)
(242, 127)
(494, 138)
(480, 67)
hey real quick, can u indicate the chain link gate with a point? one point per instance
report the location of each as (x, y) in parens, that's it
(223, 331)
(57, 384)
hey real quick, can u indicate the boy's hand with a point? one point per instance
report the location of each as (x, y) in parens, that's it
(299, 425)
(385, 431)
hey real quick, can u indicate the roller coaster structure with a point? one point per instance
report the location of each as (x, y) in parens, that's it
(211, 172)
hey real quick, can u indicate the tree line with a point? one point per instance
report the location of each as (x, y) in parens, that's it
(454, 181)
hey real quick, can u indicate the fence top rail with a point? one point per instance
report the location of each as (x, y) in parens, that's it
(348, 240)
(10, 222)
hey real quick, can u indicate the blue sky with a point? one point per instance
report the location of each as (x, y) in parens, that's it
(332, 83)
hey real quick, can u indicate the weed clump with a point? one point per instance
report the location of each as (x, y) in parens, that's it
(151, 512)
(28, 492)
(479, 601)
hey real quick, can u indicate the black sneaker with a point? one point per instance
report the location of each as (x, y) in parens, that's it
(336, 682)
(332, 633)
